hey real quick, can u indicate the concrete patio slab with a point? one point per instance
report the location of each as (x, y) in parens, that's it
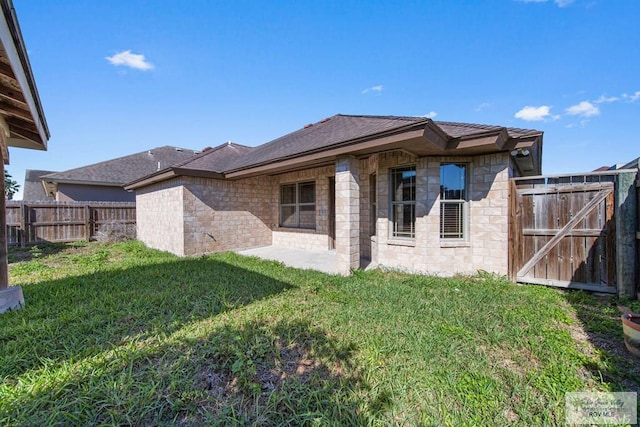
(325, 261)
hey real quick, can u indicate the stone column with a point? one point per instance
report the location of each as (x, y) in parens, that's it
(347, 214)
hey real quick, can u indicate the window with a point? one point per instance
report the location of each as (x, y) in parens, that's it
(453, 201)
(298, 205)
(373, 198)
(403, 202)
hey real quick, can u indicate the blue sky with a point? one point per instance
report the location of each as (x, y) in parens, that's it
(121, 77)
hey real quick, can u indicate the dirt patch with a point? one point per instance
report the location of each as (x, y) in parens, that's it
(624, 367)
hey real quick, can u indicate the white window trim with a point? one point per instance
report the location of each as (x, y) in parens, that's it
(464, 240)
(392, 237)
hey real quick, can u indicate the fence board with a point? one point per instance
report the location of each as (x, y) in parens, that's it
(563, 231)
(35, 222)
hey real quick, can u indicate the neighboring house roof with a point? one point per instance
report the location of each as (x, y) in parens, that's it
(356, 135)
(33, 189)
(121, 170)
(633, 164)
(22, 119)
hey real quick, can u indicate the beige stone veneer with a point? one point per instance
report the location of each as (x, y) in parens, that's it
(190, 216)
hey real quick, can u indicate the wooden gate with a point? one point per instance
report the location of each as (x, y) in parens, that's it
(562, 232)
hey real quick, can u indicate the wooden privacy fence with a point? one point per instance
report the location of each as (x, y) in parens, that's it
(36, 222)
(575, 231)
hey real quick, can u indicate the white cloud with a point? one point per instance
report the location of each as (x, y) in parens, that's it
(534, 114)
(606, 99)
(633, 97)
(131, 60)
(483, 106)
(431, 114)
(560, 3)
(583, 109)
(373, 89)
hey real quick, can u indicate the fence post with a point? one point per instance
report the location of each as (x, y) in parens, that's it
(626, 226)
(88, 225)
(22, 232)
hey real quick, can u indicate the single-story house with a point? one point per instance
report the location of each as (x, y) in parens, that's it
(22, 124)
(103, 181)
(403, 192)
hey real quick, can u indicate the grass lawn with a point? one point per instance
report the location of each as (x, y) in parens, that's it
(120, 334)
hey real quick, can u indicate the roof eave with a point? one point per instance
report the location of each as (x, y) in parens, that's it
(170, 173)
(81, 182)
(14, 47)
(416, 129)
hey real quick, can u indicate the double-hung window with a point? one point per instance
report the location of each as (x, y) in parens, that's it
(403, 202)
(453, 201)
(298, 205)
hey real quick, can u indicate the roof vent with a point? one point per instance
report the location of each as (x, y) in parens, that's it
(325, 120)
(178, 149)
(229, 142)
(308, 126)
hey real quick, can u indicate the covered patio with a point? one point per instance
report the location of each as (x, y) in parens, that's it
(324, 261)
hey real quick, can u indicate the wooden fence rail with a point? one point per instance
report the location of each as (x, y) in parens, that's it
(37, 222)
(576, 231)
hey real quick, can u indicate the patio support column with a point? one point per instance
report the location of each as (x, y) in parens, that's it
(4, 278)
(347, 214)
(11, 298)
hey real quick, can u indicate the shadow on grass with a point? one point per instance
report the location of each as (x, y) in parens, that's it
(280, 373)
(239, 372)
(81, 316)
(600, 317)
(35, 251)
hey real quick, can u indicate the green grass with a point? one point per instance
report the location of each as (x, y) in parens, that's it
(120, 334)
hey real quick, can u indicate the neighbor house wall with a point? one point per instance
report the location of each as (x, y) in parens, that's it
(159, 216)
(486, 247)
(317, 239)
(93, 193)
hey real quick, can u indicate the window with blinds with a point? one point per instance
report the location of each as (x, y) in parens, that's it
(403, 202)
(453, 201)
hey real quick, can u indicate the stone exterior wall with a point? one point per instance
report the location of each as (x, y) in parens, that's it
(189, 216)
(486, 247)
(221, 215)
(368, 167)
(159, 216)
(348, 228)
(301, 239)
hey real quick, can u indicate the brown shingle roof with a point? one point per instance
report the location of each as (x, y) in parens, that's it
(336, 131)
(216, 159)
(323, 134)
(124, 169)
(461, 130)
